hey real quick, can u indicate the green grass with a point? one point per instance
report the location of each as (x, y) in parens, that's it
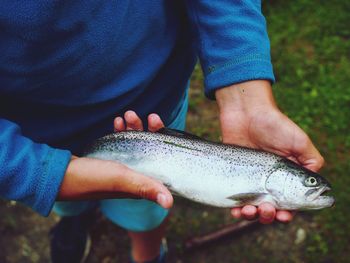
(311, 54)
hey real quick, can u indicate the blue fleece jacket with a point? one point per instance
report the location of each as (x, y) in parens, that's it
(67, 68)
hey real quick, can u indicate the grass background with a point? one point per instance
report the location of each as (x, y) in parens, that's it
(311, 55)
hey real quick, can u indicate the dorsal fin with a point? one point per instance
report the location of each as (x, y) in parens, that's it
(178, 133)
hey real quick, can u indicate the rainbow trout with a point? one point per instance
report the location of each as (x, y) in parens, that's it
(213, 173)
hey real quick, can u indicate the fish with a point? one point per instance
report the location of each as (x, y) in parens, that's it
(215, 174)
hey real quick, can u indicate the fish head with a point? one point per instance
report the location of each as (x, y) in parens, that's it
(294, 187)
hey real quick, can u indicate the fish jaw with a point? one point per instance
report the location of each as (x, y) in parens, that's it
(312, 201)
(318, 200)
(323, 202)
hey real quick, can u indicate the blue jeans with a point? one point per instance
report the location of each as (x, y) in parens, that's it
(132, 214)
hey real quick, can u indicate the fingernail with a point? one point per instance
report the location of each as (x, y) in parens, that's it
(162, 200)
(128, 114)
(153, 118)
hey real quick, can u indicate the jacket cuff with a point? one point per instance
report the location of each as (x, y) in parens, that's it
(56, 165)
(236, 72)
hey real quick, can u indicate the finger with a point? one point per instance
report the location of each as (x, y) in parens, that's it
(236, 212)
(147, 188)
(267, 213)
(312, 160)
(119, 124)
(133, 122)
(249, 212)
(154, 122)
(284, 216)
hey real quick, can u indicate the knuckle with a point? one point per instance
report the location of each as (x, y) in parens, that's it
(145, 192)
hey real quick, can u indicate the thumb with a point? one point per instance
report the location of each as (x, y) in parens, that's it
(145, 187)
(308, 156)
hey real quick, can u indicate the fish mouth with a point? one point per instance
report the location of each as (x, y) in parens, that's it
(320, 198)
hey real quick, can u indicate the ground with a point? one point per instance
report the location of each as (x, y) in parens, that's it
(311, 55)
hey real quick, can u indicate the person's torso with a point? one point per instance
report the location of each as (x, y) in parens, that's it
(68, 66)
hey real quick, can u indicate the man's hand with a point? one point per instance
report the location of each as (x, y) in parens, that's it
(88, 178)
(249, 117)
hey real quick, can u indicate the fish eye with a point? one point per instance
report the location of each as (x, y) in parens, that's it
(311, 181)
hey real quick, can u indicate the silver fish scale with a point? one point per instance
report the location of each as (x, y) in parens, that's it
(233, 153)
(202, 171)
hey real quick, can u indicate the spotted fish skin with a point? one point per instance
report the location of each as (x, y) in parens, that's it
(207, 172)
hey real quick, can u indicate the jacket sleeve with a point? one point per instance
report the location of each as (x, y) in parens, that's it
(231, 40)
(30, 173)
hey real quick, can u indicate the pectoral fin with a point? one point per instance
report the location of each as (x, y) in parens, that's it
(245, 198)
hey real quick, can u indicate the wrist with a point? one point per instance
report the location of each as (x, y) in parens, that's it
(92, 179)
(246, 97)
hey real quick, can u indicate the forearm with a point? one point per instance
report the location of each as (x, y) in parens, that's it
(245, 97)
